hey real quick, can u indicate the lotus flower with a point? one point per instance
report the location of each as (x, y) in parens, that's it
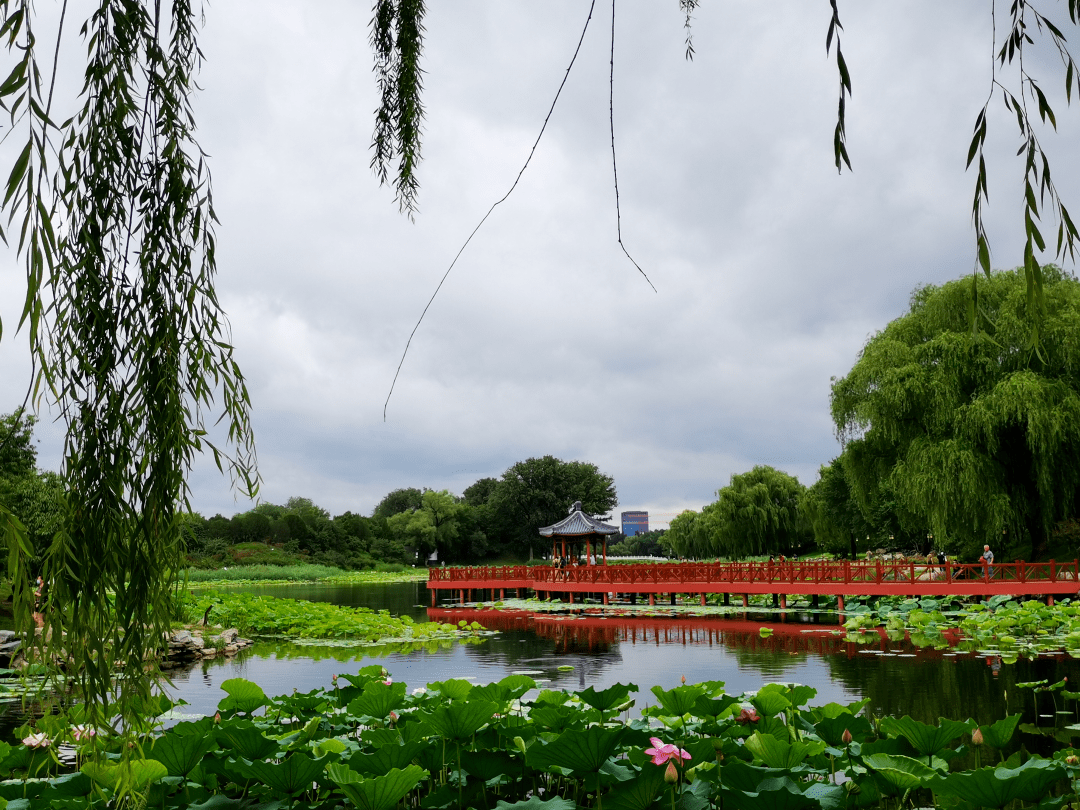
(81, 733)
(661, 753)
(846, 737)
(977, 736)
(747, 716)
(37, 741)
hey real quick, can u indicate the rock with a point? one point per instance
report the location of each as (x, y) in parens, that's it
(8, 651)
(229, 636)
(7, 636)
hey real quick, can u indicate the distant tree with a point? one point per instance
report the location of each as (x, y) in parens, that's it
(756, 514)
(977, 435)
(18, 455)
(539, 491)
(683, 537)
(481, 492)
(398, 501)
(830, 510)
(645, 544)
(37, 500)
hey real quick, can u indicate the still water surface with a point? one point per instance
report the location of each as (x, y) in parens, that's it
(897, 678)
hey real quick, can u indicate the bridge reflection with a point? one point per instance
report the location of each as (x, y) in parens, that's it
(596, 633)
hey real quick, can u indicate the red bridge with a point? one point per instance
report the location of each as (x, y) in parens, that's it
(836, 578)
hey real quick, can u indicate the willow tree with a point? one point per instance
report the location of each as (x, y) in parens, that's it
(977, 435)
(756, 514)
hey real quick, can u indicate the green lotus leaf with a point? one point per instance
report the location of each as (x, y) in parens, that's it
(607, 699)
(678, 701)
(829, 797)
(291, 776)
(775, 793)
(639, 793)
(134, 775)
(927, 739)
(770, 702)
(243, 696)
(245, 739)
(386, 758)
(453, 688)
(509, 688)
(780, 754)
(377, 793)
(996, 787)
(831, 729)
(536, 803)
(486, 765)
(999, 734)
(460, 720)
(582, 751)
(329, 746)
(557, 718)
(898, 772)
(378, 700)
(183, 747)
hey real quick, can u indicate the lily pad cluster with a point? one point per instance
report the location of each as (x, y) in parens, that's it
(370, 742)
(299, 618)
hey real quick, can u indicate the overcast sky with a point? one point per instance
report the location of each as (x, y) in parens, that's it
(771, 270)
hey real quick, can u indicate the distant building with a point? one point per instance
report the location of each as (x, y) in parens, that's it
(635, 523)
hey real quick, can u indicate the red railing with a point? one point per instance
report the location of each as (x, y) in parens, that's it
(812, 572)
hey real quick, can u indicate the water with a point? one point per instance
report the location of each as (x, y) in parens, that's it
(898, 678)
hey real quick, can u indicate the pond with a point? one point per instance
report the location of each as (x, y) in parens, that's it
(898, 678)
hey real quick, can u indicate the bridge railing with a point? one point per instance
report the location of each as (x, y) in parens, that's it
(732, 574)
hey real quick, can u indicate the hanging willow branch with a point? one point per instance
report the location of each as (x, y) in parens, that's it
(116, 224)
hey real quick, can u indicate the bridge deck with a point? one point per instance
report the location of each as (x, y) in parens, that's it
(836, 578)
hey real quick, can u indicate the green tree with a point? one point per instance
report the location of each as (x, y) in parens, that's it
(977, 436)
(407, 499)
(538, 492)
(18, 456)
(683, 537)
(756, 514)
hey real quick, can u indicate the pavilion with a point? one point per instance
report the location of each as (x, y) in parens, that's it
(578, 527)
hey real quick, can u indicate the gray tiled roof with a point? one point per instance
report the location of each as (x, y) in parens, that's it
(577, 524)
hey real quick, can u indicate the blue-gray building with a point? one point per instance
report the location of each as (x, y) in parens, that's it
(635, 523)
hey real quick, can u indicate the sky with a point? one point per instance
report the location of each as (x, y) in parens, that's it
(771, 269)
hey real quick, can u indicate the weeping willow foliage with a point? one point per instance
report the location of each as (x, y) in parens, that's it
(116, 227)
(976, 435)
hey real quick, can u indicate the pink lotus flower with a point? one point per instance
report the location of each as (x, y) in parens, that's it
(661, 753)
(747, 716)
(81, 733)
(37, 741)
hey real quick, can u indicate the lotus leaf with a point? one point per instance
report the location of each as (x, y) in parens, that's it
(377, 793)
(329, 746)
(928, 740)
(460, 720)
(999, 734)
(486, 765)
(579, 750)
(453, 688)
(182, 747)
(243, 696)
(71, 784)
(245, 739)
(831, 729)
(536, 803)
(509, 688)
(898, 772)
(770, 702)
(678, 701)
(607, 699)
(996, 787)
(557, 718)
(639, 793)
(134, 775)
(291, 776)
(378, 700)
(771, 793)
(781, 754)
(386, 758)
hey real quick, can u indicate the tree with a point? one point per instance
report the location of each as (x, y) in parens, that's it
(538, 492)
(18, 456)
(400, 500)
(756, 514)
(977, 437)
(683, 537)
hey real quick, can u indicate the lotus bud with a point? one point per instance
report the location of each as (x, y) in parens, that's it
(393, 718)
(671, 773)
(217, 718)
(977, 736)
(846, 737)
(684, 679)
(1072, 759)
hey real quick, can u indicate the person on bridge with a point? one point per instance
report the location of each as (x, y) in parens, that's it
(988, 562)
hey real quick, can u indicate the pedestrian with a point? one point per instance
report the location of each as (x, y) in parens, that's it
(988, 562)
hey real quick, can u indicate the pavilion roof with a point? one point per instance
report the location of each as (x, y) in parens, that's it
(578, 524)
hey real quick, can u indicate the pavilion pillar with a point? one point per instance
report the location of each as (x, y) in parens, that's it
(1050, 600)
(703, 599)
(783, 601)
(570, 595)
(433, 598)
(605, 551)
(840, 604)
(652, 599)
(605, 597)
(746, 600)
(461, 593)
(502, 594)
